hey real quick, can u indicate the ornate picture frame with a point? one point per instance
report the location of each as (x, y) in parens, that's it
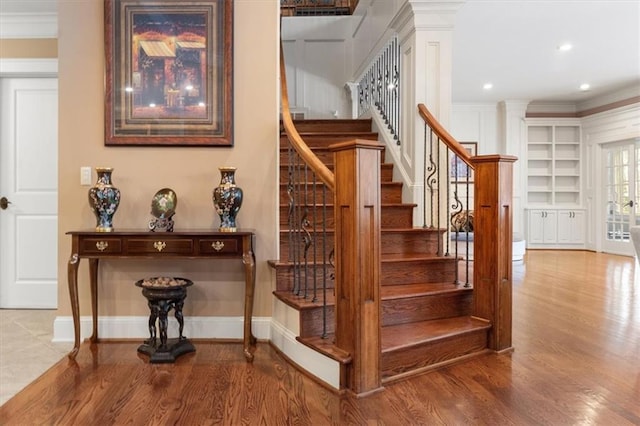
(168, 72)
(458, 169)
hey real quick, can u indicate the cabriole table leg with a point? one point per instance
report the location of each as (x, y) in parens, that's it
(72, 277)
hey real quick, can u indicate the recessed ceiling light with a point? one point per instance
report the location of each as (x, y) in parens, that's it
(585, 86)
(565, 47)
(487, 86)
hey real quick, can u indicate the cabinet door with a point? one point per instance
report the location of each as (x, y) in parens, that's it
(550, 227)
(542, 227)
(577, 228)
(536, 227)
(565, 223)
(570, 227)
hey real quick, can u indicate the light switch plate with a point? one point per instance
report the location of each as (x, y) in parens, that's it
(85, 175)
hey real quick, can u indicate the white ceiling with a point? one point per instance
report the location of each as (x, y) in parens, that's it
(513, 45)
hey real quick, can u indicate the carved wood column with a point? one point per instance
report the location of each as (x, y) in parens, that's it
(357, 230)
(493, 231)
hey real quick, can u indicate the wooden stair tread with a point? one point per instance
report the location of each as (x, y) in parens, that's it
(400, 336)
(284, 230)
(326, 347)
(301, 303)
(383, 205)
(319, 183)
(401, 291)
(321, 125)
(387, 292)
(337, 133)
(330, 166)
(414, 257)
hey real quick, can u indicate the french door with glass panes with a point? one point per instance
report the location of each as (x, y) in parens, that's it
(622, 195)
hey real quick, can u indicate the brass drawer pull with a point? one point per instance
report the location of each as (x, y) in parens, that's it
(217, 246)
(159, 245)
(102, 245)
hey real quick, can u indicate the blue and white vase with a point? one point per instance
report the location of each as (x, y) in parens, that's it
(227, 199)
(104, 199)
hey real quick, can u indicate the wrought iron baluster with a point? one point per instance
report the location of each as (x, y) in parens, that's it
(324, 261)
(304, 231)
(296, 229)
(448, 229)
(292, 204)
(467, 227)
(431, 180)
(438, 193)
(315, 243)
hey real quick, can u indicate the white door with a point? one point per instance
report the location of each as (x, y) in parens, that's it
(29, 187)
(621, 195)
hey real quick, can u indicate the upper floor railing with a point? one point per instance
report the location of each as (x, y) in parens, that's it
(317, 7)
(379, 87)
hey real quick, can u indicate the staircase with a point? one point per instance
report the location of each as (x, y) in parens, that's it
(426, 315)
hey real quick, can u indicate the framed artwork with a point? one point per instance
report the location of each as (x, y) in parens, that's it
(458, 169)
(169, 72)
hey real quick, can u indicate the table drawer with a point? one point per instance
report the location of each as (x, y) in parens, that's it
(100, 246)
(221, 246)
(159, 246)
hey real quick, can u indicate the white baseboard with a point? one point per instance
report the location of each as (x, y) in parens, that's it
(136, 328)
(322, 367)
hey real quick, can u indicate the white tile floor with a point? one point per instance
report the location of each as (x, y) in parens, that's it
(26, 350)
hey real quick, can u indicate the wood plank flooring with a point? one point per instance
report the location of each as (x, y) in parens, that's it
(576, 334)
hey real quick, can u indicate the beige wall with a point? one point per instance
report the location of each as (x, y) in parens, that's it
(192, 172)
(28, 48)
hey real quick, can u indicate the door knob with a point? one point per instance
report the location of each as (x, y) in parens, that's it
(4, 203)
(630, 204)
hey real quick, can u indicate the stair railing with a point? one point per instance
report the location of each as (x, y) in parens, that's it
(309, 249)
(457, 183)
(355, 192)
(492, 193)
(379, 86)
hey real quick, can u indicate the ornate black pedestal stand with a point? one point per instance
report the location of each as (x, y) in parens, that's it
(164, 294)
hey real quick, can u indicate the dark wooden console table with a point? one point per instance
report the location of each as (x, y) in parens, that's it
(196, 244)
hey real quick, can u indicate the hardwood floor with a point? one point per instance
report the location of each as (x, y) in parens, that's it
(576, 334)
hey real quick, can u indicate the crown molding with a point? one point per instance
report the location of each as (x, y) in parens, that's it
(28, 25)
(28, 67)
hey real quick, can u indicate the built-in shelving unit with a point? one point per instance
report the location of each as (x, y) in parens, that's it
(555, 218)
(553, 164)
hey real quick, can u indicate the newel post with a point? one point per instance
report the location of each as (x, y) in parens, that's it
(493, 229)
(357, 260)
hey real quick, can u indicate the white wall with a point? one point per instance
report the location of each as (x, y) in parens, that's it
(370, 31)
(325, 52)
(317, 52)
(476, 123)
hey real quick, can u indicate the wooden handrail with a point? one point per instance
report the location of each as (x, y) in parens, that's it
(323, 172)
(445, 136)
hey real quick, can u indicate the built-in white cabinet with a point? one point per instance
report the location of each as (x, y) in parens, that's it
(555, 218)
(543, 227)
(571, 227)
(555, 228)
